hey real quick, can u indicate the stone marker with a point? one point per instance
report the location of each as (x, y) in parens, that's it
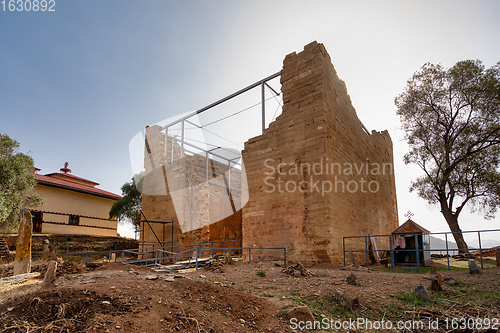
(50, 275)
(498, 257)
(352, 280)
(433, 269)
(301, 313)
(422, 292)
(435, 286)
(22, 261)
(46, 250)
(439, 278)
(351, 257)
(473, 269)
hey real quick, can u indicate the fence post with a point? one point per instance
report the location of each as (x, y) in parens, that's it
(447, 253)
(67, 251)
(249, 254)
(480, 248)
(123, 256)
(392, 252)
(196, 253)
(284, 260)
(343, 248)
(366, 250)
(86, 257)
(415, 237)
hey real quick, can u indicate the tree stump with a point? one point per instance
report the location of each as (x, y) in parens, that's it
(22, 261)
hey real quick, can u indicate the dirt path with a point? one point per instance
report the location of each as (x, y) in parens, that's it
(242, 298)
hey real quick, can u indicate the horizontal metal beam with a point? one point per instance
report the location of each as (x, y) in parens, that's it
(256, 84)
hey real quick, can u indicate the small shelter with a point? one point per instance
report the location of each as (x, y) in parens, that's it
(410, 242)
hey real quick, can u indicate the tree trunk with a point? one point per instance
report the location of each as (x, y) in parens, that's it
(452, 221)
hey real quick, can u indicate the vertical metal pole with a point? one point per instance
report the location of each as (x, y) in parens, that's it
(343, 248)
(392, 252)
(229, 172)
(67, 251)
(415, 237)
(197, 257)
(263, 93)
(480, 248)
(366, 250)
(182, 138)
(86, 257)
(284, 253)
(447, 254)
(172, 150)
(166, 141)
(123, 256)
(206, 166)
(249, 254)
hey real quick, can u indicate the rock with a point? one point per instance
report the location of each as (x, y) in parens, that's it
(152, 277)
(439, 278)
(300, 313)
(352, 280)
(297, 273)
(435, 286)
(422, 292)
(50, 275)
(169, 278)
(473, 269)
(451, 282)
(46, 250)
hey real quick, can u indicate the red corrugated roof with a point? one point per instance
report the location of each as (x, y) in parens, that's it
(51, 181)
(67, 175)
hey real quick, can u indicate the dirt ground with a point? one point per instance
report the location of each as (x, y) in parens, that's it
(242, 298)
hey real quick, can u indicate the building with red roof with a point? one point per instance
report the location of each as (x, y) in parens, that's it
(73, 205)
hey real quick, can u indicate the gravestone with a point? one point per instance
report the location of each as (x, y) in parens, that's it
(473, 269)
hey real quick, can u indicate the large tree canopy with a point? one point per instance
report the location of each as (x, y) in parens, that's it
(452, 122)
(17, 181)
(129, 207)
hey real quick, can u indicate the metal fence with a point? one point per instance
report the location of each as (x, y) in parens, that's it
(363, 246)
(169, 258)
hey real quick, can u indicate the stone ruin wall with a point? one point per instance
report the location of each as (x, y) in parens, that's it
(318, 125)
(157, 202)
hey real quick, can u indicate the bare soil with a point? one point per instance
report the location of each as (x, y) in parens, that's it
(242, 298)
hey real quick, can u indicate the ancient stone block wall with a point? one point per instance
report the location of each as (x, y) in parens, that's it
(316, 175)
(178, 191)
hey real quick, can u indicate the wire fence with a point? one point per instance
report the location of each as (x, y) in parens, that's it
(415, 249)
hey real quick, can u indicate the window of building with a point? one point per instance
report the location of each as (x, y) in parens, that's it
(74, 220)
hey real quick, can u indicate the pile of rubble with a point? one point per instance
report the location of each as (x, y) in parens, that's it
(63, 268)
(297, 270)
(216, 264)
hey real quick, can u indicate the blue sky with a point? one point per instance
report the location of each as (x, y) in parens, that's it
(77, 84)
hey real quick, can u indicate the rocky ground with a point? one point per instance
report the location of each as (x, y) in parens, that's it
(238, 297)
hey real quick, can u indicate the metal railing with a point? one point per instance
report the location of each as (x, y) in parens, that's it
(179, 256)
(418, 251)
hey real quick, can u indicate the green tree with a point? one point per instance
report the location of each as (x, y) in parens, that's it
(451, 119)
(17, 182)
(129, 207)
